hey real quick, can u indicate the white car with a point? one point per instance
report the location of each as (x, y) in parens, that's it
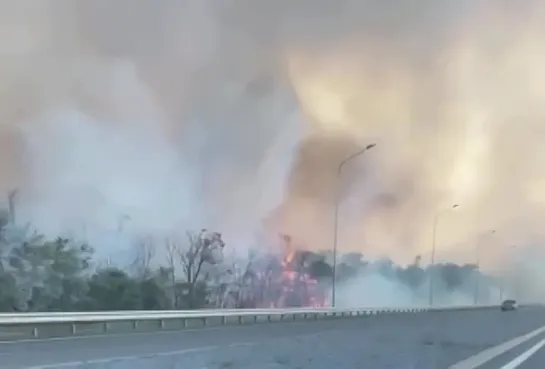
(509, 305)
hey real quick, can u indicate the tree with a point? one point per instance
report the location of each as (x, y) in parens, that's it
(44, 274)
(231, 286)
(145, 252)
(386, 267)
(8, 292)
(413, 276)
(169, 273)
(19, 261)
(113, 289)
(66, 267)
(153, 294)
(4, 219)
(319, 269)
(354, 260)
(202, 248)
(452, 276)
(39, 274)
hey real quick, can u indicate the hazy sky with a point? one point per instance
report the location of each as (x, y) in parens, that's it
(234, 114)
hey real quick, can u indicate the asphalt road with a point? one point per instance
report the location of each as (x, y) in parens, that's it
(399, 341)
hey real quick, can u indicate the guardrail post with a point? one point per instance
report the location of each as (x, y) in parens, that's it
(134, 324)
(204, 322)
(223, 320)
(184, 323)
(35, 332)
(73, 329)
(240, 321)
(161, 323)
(105, 327)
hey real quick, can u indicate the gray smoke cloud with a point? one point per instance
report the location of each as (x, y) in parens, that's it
(233, 115)
(166, 114)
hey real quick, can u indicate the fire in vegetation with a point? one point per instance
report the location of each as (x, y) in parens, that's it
(278, 281)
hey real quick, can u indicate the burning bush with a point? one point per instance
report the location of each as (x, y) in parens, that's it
(276, 280)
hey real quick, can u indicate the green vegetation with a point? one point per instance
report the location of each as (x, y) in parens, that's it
(37, 274)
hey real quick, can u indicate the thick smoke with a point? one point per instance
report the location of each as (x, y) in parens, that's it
(169, 116)
(234, 115)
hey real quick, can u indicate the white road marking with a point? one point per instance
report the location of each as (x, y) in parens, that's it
(524, 356)
(134, 357)
(488, 354)
(157, 354)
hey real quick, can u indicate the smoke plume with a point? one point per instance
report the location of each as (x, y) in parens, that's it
(234, 115)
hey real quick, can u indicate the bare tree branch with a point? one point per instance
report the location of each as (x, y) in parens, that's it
(144, 257)
(171, 249)
(202, 248)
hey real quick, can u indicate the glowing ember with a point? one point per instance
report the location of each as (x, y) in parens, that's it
(276, 281)
(292, 284)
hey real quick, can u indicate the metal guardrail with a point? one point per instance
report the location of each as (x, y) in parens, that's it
(79, 317)
(16, 326)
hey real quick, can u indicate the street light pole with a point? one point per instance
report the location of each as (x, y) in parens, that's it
(432, 262)
(501, 288)
(336, 218)
(514, 278)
